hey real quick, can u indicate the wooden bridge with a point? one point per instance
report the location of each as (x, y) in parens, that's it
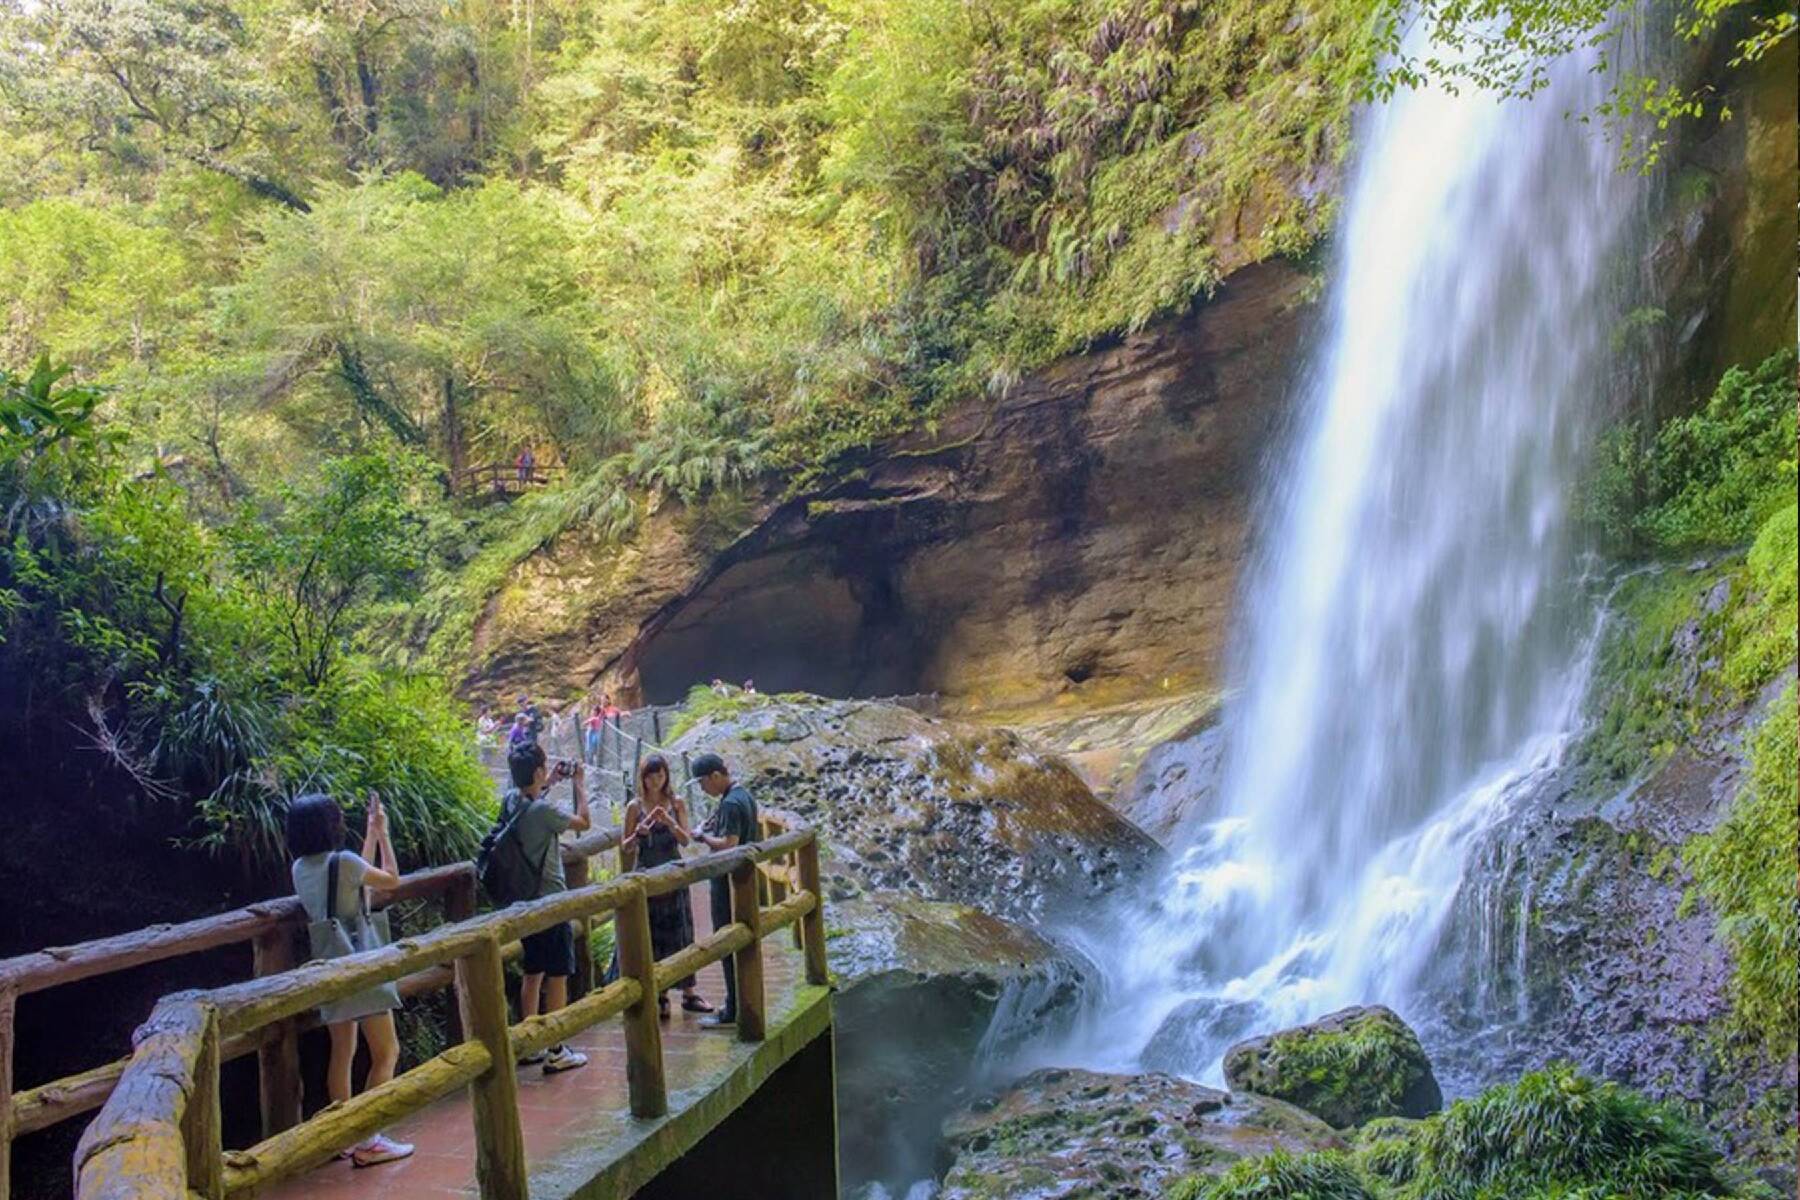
(648, 1104)
(501, 479)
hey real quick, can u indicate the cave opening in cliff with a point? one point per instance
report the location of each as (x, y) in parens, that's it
(790, 622)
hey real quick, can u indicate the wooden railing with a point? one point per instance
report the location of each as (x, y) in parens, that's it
(158, 1135)
(272, 928)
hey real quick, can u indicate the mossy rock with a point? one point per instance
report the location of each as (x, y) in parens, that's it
(1349, 1068)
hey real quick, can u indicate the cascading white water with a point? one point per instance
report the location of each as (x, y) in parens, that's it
(1416, 638)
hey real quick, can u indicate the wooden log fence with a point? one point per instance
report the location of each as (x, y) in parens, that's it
(157, 1134)
(272, 929)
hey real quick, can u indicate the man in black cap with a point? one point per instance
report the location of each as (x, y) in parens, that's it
(733, 823)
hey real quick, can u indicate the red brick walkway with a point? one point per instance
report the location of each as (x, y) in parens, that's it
(583, 1107)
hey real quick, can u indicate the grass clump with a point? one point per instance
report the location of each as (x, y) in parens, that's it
(1555, 1132)
(1745, 870)
(1280, 1176)
(1553, 1135)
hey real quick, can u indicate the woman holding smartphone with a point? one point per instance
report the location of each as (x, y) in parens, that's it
(315, 834)
(656, 828)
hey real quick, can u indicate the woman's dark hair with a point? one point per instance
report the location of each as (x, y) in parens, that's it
(654, 763)
(315, 824)
(524, 762)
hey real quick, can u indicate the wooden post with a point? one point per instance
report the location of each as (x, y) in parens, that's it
(576, 875)
(744, 909)
(818, 971)
(499, 1140)
(200, 1122)
(9, 996)
(278, 1058)
(459, 905)
(643, 1027)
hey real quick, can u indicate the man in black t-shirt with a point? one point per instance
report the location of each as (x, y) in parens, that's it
(733, 823)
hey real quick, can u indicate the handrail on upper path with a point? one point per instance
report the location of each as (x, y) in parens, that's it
(157, 1137)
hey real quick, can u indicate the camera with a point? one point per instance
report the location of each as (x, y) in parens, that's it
(564, 768)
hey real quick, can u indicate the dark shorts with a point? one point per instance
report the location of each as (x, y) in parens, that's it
(551, 952)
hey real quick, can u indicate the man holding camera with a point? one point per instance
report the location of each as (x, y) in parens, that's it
(549, 958)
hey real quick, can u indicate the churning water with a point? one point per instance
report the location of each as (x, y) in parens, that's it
(1416, 636)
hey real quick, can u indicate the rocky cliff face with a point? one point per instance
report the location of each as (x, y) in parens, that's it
(1083, 531)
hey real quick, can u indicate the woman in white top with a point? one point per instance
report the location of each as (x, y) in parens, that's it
(315, 832)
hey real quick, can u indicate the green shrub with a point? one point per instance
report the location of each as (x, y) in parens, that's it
(1745, 870)
(1554, 1132)
(1716, 475)
(1707, 479)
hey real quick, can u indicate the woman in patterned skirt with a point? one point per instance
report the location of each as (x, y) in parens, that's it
(656, 828)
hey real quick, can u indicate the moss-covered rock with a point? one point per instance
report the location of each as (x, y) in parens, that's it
(1347, 1068)
(1067, 1133)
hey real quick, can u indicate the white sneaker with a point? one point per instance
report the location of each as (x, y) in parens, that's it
(563, 1059)
(379, 1149)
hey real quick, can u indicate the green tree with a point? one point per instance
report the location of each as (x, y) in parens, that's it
(326, 552)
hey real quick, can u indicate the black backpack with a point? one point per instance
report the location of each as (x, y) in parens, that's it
(501, 866)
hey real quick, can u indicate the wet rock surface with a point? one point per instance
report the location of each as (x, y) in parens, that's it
(932, 995)
(930, 808)
(1176, 785)
(1348, 1068)
(1082, 1135)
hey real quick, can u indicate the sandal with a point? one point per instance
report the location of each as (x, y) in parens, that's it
(693, 1002)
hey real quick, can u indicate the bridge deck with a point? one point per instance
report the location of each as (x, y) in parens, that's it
(580, 1139)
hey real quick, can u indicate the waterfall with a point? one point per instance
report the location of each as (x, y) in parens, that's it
(1415, 639)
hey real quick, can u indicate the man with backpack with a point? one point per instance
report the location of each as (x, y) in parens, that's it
(522, 860)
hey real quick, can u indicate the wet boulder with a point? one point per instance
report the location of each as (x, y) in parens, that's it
(1067, 1133)
(1347, 1068)
(929, 995)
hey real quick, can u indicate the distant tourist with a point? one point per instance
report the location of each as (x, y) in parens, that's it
(549, 958)
(526, 464)
(329, 881)
(750, 687)
(534, 718)
(656, 828)
(721, 688)
(520, 733)
(591, 738)
(732, 823)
